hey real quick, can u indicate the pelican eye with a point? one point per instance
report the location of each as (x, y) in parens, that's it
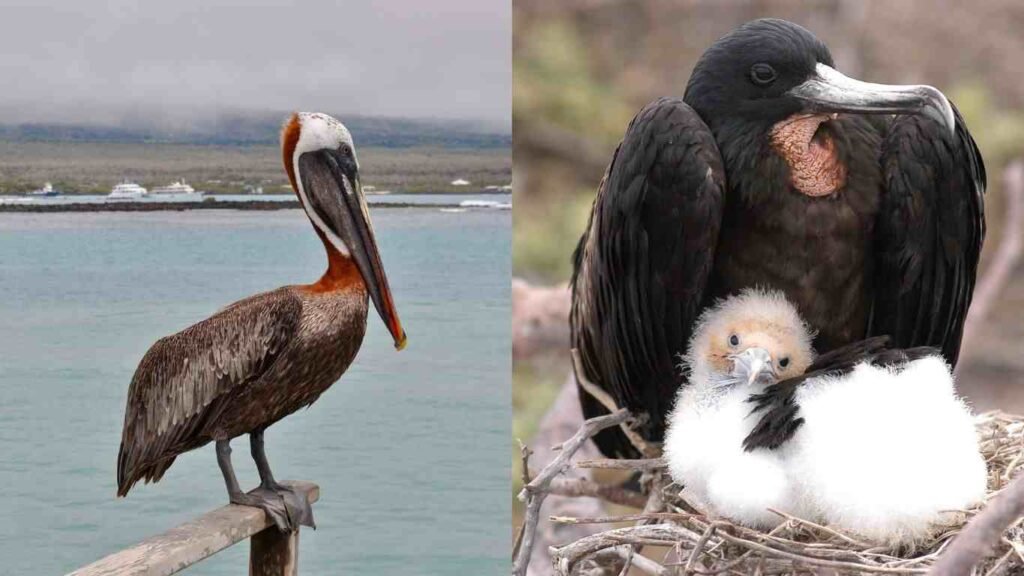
(784, 362)
(762, 74)
(734, 340)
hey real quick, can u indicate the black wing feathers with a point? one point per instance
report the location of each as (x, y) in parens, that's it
(779, 421)
(929, 234)
(642, 266)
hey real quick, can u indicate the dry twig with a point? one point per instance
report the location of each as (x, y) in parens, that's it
(704, 546)
(1006, 257)
(533, 494)
(642, 465)
(642, 446)
(574, 487)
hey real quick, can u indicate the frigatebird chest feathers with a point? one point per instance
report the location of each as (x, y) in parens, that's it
(328, 334)
(800, 219)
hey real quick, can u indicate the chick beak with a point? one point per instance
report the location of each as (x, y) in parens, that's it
(754, 365)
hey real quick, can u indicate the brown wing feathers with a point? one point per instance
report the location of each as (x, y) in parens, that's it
(184, 380)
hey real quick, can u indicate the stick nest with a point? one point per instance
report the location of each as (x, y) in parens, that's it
(699, 545)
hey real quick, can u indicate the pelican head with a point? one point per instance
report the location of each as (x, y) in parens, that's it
(320, 159)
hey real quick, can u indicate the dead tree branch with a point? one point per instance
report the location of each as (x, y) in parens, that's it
(534, 493)
(576, 487)
(1004, 260)
(642, 465)
(609, 404)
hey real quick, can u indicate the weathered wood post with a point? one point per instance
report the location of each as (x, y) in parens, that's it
(271, 553)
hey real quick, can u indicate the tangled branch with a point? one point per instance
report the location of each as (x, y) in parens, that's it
(699, 545)
(534, 493)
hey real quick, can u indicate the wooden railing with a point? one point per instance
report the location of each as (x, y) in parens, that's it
(271, 552)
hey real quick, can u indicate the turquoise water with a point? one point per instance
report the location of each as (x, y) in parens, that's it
(410, 449)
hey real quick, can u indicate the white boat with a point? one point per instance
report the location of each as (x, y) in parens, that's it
(486, 204)
(179, 190)
(46, 190)
(179, 187)
(127, 191)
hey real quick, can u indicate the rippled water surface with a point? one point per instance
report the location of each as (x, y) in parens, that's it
(410, 449)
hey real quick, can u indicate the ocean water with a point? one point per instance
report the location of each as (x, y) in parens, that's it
(409, 449)
(399, 198)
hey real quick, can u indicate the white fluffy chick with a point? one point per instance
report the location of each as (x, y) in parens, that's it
(887, 453)
(884, 452)
(739, 347)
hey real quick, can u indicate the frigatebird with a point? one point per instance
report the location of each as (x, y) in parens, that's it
(265, 356)
(861, 202)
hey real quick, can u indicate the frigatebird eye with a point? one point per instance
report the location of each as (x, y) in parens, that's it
(734, 340)
(762, 74)
(346, 150)
(784, 362)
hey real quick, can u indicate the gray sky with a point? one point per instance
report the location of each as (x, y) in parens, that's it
(99, 60)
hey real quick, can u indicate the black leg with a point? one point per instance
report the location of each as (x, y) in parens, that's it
(260, 457)
(266, 500)
(224, 461)
(296, 503)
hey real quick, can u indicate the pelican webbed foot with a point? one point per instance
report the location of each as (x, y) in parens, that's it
(296, 499)
(287, 506)
(270, 502)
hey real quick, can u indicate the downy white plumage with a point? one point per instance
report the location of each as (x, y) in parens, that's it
(885, 453)
(888, 454)
(739, 347)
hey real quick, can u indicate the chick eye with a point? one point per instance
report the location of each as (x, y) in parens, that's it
(762, 74)
(784, 362)
(734, 340)
(346, 150)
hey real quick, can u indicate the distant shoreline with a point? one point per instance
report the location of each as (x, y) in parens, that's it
(257, 205)
(461, 191)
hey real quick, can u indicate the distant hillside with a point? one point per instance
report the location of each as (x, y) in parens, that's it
(263, 129)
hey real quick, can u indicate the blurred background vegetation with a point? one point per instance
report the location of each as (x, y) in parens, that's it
(582, 68)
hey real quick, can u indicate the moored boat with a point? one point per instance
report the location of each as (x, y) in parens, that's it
(179, 187)
(46, 191)
(127, 190)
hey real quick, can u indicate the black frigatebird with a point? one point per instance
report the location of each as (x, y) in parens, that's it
(861, 202)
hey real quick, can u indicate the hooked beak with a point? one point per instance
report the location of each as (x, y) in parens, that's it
(753, 365)
(828, 91)
(331, 182)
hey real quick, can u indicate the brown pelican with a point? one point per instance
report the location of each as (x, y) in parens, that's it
(266, 356)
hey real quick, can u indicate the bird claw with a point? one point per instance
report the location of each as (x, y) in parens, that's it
(287, 507)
